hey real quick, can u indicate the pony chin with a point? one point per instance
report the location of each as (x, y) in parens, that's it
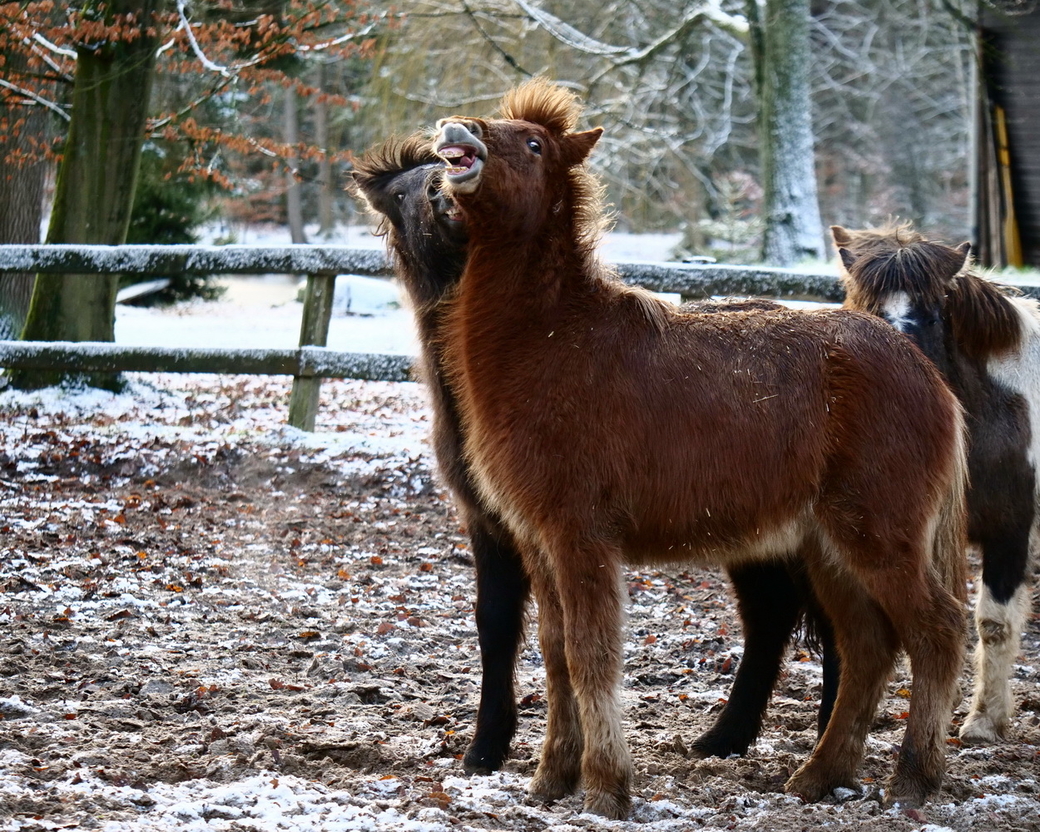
(466, 181)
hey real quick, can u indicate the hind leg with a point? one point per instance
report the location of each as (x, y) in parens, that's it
(867, 646)
(930, 624)
(559, 768)
(769, 602)
(831, 662)
(502, 591)
(1000, 616)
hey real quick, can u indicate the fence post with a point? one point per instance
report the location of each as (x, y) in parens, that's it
(314, 331)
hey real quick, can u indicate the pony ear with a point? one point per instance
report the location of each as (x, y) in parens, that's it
(576, 147)
(847, 258)
(363, 186)
(841, 236)
(964, 249)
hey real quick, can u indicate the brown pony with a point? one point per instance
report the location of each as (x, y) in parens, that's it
(987, 345)
(399, 180)
(606, 426)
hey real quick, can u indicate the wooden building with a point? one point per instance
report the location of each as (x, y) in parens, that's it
(1007, 134)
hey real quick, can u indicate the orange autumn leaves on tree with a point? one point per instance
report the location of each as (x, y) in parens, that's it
(218, 63)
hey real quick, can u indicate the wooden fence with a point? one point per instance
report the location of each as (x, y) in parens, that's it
(312, 361)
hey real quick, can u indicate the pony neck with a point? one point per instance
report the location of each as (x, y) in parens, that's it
(528, 266)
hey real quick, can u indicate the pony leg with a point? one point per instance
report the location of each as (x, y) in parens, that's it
(932, 633)
(559, 769)
(592, 599)
(1000, 616)
(769, 603)
(502, 592)
(867, 646)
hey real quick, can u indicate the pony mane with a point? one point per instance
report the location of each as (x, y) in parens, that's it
(984, 317)
(896, 258)
(540, 101)
(396, 154)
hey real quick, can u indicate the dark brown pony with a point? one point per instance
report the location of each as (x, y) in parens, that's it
(605, 426)
(987, 344)
(400, 182)
(426, 238)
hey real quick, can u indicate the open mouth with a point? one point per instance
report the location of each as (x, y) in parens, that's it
(447, 209)
(463, 154)
(462, 165)
(459, 158)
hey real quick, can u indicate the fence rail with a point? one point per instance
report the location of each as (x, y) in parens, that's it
(694, 280)
(321, 264)
(302, 362)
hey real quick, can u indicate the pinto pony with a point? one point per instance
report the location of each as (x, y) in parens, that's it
(987, 344)
(399, 181)
(606, 426)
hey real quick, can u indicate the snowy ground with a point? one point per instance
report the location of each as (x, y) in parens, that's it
(215, 622)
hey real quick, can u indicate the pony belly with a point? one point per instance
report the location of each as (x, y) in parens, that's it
(709, 547)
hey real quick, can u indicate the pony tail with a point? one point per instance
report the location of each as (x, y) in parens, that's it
(950, 536)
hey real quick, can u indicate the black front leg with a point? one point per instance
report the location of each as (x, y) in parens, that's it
(502, 593)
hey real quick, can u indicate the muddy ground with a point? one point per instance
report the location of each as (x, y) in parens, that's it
(208, 621)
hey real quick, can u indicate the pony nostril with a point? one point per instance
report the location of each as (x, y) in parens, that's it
(450, 130)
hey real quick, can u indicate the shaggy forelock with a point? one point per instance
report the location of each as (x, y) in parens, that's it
(896, 258)
(397, 154)
(542, 102)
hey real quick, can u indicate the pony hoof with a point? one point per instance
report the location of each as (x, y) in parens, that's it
(608, 805)
(707, 746)
(547, 788)
(482, 762)
(909, 793)
(811, 787)
(980, 729)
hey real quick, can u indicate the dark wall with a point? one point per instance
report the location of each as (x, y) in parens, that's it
(1010, 79)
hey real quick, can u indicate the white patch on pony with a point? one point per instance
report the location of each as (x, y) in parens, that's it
(1000, 635)
(783, 540)
(896, 310)
(1019, 371)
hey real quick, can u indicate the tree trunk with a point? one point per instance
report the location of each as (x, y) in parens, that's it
(293, 201)
(326, 192)
(780, 43)
(21, 201)
(95, 186)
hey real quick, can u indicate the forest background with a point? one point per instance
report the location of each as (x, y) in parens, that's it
(730, 120)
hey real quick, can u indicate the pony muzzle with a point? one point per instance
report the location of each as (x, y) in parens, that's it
(458, 144)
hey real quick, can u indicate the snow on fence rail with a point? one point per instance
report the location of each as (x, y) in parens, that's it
(693, 280)
(312, 361)
(303, 362)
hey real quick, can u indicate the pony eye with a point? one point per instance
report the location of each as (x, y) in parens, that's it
(399, 196)
(535, 145)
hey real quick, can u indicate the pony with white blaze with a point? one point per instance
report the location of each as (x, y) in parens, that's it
(986, 342)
